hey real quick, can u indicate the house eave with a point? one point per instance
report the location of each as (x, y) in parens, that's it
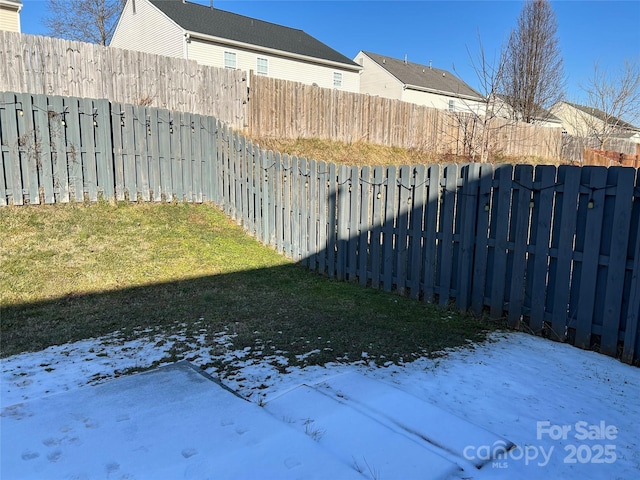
(9, 3)
(406, 86)
(273, 51)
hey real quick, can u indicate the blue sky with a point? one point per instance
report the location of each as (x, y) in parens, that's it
(441, 31)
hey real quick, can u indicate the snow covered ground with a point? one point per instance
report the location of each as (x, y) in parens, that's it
(516, 406)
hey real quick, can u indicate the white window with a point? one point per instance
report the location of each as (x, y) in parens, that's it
(262, 66)
(452, 105)
(337, 79)
(229, 60)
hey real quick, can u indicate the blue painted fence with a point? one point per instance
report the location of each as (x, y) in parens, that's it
(555, 249)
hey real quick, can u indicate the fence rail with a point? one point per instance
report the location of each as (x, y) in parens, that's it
(553, 248)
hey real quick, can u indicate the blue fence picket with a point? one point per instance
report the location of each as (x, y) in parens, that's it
(417, 202)
(518, 237)
(378, 184)
(614, 246)
(388, 229)
(429, 236)
(538, 263)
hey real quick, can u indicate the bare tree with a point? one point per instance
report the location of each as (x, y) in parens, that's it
(92, 21)
(533, 77)
(612, 98)
(479, 125)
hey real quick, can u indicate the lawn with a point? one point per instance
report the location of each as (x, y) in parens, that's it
(71, 272)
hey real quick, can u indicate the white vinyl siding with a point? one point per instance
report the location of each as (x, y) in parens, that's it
(210, 53)
(262, 66)
(148, 30)
(9, 18)
(375, 80)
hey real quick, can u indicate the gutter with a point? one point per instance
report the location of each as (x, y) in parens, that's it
(441, 92)
(249, 46)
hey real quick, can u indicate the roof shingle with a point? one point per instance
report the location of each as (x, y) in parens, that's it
(414, 74)
(219, 23)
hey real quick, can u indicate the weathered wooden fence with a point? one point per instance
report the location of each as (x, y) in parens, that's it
(51, 66)
(553, 248)
(283, 109)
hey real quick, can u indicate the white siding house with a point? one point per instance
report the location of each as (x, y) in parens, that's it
(227, 40)
(582, 121)
(420, 84)
(10, 15)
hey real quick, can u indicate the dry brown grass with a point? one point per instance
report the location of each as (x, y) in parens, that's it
(361, 153)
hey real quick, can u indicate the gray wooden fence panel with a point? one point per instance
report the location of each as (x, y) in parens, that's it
(332, 185)
(631, 348)
(17, 181)
(483, 209)
(243, 184)
(43, 148)
(27, 149)
(342, 222)
(365, 225)
(305, 210)
(249, 195)
(417, 203)
(294, 177)
(228, 174)
(117, 121)
(388, 229)
(59, 147)
(354, 220)
(286, 202)
(323, 195)
(379, 181)
(6, 137)
(198, 158)
(104, 149)
(87, 139)
(500, 230)
(617, 230)
(74, 148)
(538, 265)
(236, 171)
(401, 246)
(141, 154)
(449, 185)
(430, 243)
(467, 210)
(271, 197)
(275, 170)
(560, 267)
(153, 154)
(163, 131)
(597, 181)
(520, 214)
(312, 179)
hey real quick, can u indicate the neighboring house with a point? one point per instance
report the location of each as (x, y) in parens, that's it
(502, 108)
(10, 15)
(415, 83)
(215, 37)
(586, 122)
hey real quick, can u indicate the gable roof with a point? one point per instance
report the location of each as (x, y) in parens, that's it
(600, 115)
(543, 114)
(205, 20)
(421, 77)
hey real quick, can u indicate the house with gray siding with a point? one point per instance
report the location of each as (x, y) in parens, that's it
(224, 39)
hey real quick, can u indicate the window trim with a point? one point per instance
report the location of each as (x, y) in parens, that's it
(337, 79)
(266, 66)
(227, 55)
